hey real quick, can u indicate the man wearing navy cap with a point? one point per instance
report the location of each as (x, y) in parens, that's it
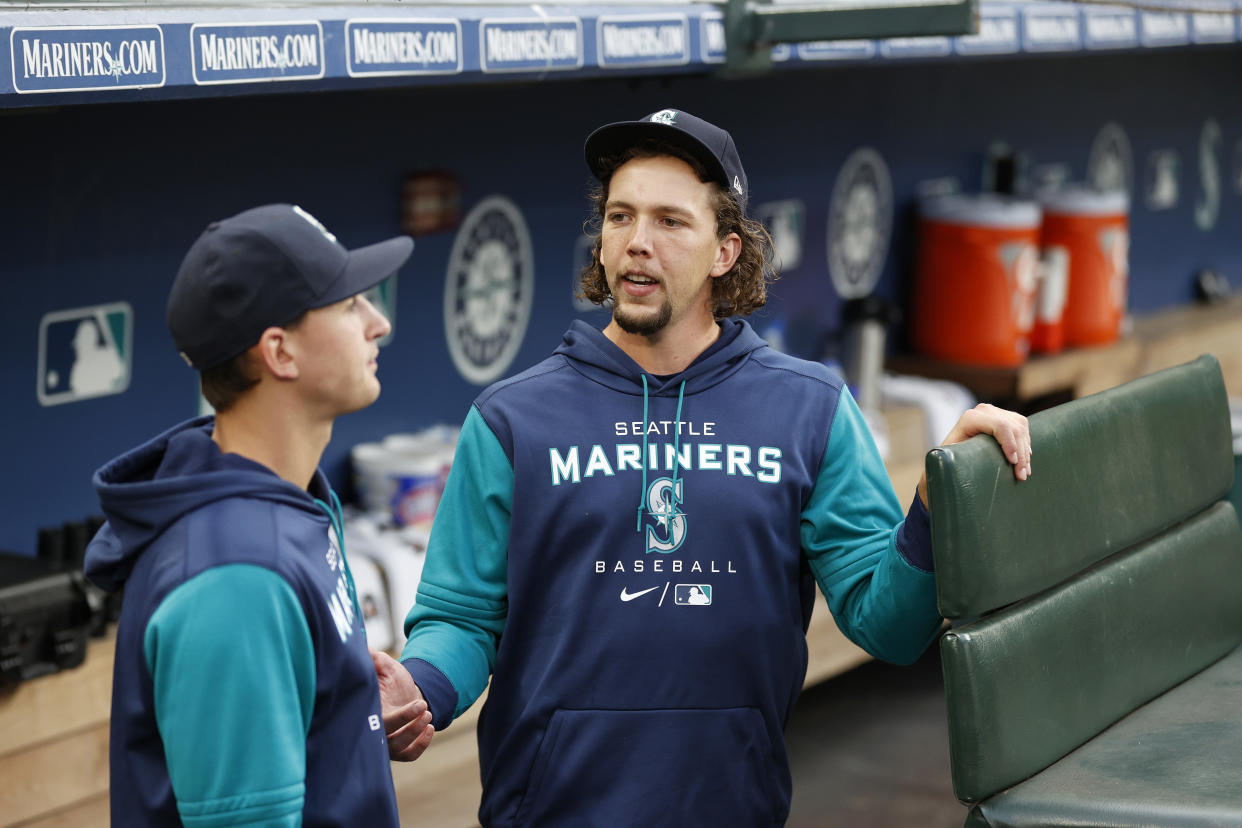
(630, 537)
(243, 689)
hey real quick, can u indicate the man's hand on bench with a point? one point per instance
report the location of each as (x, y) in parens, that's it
(1009, 428)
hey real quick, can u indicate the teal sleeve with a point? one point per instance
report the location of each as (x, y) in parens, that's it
(849, 529)
(233, 668)
(463, 596)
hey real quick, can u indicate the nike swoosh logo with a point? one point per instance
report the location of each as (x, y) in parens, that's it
(630, 596)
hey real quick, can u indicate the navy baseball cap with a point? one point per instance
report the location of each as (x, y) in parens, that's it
(708, 143)
(263, 267)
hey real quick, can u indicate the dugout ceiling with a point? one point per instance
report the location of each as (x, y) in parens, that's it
(60, 52)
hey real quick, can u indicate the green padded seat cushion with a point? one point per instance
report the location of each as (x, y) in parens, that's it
(1174, 763)
(1108, 471)
(1029, 683)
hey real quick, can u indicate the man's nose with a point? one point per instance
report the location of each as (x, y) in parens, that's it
(640, 238)
(378, 325)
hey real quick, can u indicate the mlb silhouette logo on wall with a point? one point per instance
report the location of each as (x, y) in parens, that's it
(84, 353)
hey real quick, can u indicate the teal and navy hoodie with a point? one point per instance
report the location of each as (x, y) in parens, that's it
(632, 559)
(243, 689)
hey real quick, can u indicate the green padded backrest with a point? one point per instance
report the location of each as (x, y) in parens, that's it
(1028, 684)
(1109, 471)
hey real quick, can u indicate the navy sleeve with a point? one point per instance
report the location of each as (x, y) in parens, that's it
(437, 690)
(914, 538)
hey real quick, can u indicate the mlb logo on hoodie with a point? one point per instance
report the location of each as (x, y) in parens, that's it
(692, 595)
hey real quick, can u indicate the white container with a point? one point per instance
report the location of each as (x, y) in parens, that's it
(403, 476)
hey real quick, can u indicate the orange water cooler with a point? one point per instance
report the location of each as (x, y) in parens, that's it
(1093, 228)
(974, 286)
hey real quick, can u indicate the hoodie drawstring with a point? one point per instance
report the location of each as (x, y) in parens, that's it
(642, 495)
(337, 519)
(681, 395)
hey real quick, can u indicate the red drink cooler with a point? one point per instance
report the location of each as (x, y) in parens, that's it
(974, 287)
(1094, 228)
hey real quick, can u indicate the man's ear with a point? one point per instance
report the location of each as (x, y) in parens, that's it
(730, 249)
(276, 352)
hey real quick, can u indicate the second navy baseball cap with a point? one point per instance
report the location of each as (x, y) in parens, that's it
(263, 267)
(707, 142)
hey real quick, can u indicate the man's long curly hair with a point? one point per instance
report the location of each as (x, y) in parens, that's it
(740, 291)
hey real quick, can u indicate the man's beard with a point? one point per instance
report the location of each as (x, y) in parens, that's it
(645, 326)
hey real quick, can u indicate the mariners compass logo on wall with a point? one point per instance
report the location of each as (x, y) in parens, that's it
(488, 290)
(860, 218)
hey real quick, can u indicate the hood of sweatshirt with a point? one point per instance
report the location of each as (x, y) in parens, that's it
(147, 489)
(599, 359)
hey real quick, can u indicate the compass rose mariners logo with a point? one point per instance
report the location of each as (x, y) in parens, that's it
(488, 290)
(860, 218)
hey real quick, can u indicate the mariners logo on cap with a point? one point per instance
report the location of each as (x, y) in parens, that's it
(665, 116)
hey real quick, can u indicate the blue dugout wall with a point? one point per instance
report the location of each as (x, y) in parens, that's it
(102, 200)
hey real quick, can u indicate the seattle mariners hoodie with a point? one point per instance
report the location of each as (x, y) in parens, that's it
(632, 559)
(243, 690)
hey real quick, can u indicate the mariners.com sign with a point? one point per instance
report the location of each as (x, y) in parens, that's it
(79, 59)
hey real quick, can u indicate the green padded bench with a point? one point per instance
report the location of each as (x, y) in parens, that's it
(1093, 668)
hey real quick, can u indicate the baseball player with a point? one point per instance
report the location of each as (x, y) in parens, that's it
(632, 531)
(243, 691)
